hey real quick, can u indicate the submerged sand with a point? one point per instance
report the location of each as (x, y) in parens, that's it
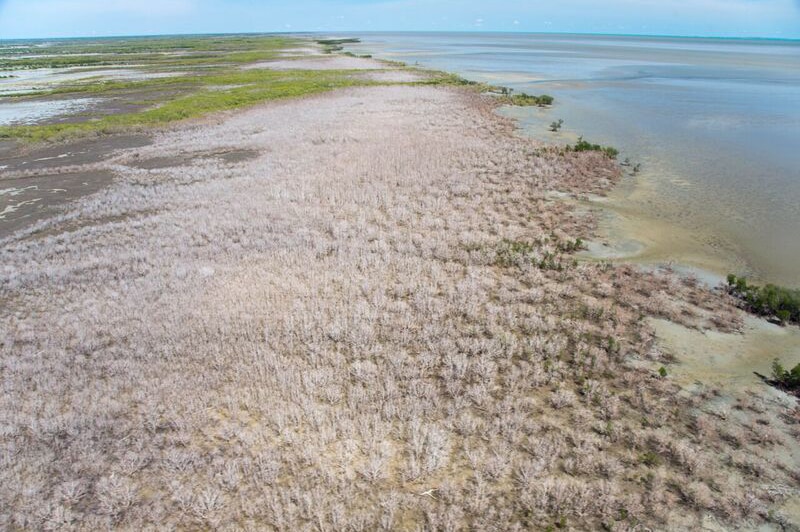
(357, 311)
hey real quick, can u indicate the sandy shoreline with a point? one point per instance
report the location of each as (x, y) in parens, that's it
(369, 318)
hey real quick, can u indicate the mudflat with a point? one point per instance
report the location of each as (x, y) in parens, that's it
(36, 181)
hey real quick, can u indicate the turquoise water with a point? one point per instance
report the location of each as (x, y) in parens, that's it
(714, 122)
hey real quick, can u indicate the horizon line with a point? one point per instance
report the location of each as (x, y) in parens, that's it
(334, 32)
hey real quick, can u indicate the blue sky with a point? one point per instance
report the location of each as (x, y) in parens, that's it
(49, 18)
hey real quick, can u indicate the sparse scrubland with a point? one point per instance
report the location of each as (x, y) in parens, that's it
(373, 322)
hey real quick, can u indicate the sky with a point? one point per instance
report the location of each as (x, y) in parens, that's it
(723, 18)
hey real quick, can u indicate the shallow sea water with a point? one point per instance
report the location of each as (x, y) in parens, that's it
(715, 124)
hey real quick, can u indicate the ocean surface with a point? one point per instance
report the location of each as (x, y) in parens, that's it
(715, 124)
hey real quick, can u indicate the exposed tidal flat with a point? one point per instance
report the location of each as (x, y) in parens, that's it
(350, 299)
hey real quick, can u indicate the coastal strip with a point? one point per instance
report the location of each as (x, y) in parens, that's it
(362, 309)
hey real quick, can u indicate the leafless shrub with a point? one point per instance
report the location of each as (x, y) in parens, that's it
(115, 495)
(562, 398)
(320, 338)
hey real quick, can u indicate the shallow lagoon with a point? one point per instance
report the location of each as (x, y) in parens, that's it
(23, 81)
(714, 122)
(27, 112)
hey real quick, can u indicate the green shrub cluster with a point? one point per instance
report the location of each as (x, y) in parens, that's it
(784, 378)
(351, 54)
(335, 45)
(336, 42)
(447, 78)
(584, 145)
(528, 100)
(768, 300)
(570, 246)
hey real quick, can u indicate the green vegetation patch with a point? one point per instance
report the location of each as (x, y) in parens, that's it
(151, 52)
(335, 45)
(768, 300)
(362, 56)
(247, 88)
(334, 42)
(447, 78)
(584, 145)
(784, 378)
(528, 100)
(505, 96)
